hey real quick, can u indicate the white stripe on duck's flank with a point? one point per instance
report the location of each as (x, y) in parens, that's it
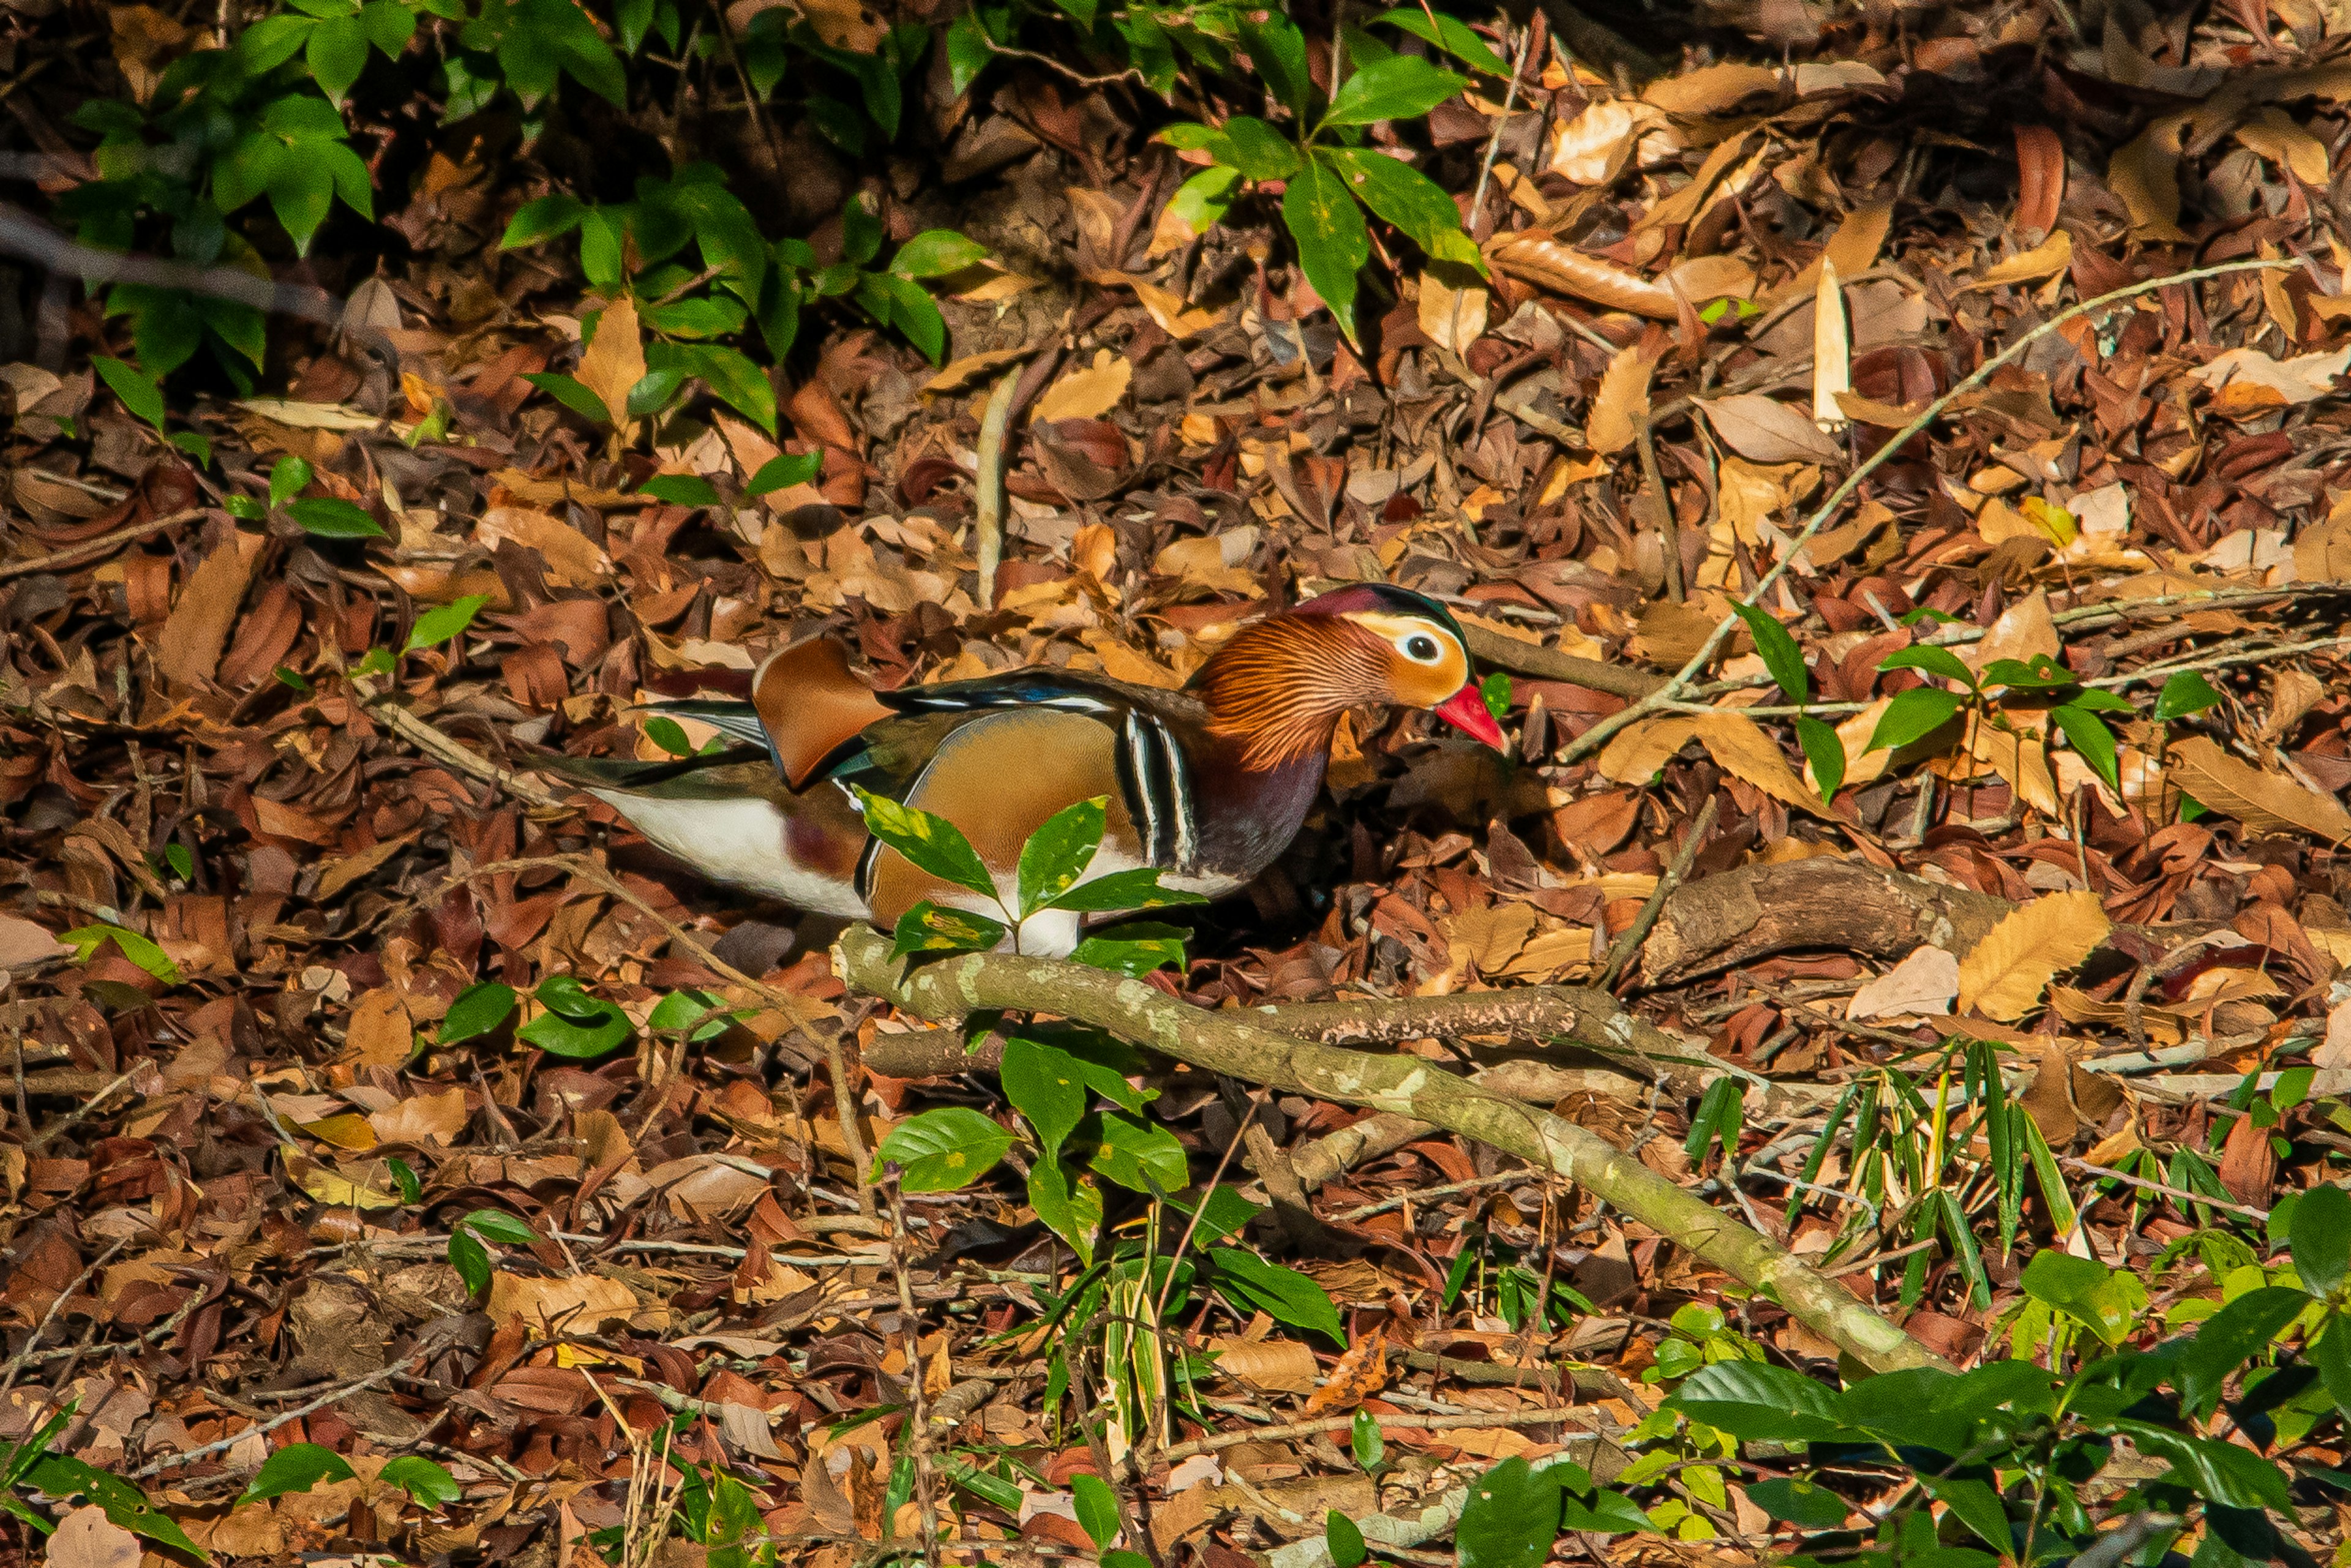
(744, 841)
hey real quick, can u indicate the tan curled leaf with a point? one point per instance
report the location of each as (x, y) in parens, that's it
(1622, 405)
(1635, 754)
(2266, 803)
(1741, 749)
(23, 942)
(1590, 148)
(615, 362)
(1832, 352)
(1279, 1365)
(2024, 630)
(1452, 305)
(380, 1033)
(2019, 756)
(423, 1118)
(1089, 394)
(573, 559)
(2003, 975)
(1709, 89)
(2146, 174)
(188, 650)
(1921, 986)
(1536, 258)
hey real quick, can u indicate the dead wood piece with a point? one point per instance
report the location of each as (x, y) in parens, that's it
(957, 986)
(1584, 1014)
(1735, 915)
(1550, 664)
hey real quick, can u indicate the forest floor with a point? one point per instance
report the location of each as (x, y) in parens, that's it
(248, 868)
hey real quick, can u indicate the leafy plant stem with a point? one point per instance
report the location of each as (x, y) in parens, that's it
(1593, 739)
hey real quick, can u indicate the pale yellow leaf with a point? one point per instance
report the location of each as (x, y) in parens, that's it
(615, 362)
(2003, 975)
(2019, 756)
(1622, 405)
(1088, 393)
(1832, 352)
(333, 1188)
(1741, 749)
(2049, 258)
(1452, 306)
(2266, 803)
(577, 1305)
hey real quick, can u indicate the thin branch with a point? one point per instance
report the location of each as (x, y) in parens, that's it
(1218, 1042)
(91, 549)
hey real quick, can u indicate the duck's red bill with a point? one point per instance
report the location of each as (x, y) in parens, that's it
(1465, 710)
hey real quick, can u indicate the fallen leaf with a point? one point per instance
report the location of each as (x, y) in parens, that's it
(1621, 407)
(547, 1305)
(1088, 393)
(615, 362)
(423, 1119)
(2047, 259)
(2265, 803)
(1635, 753)
(1276, 1365)
(1765, 429)
(2003, 975)
(1921, 986)
(23, 942)
(86, 1538)
(1361, 1373)
(573, 559)
(188, 649)
(1742, 748)
(1452, 305)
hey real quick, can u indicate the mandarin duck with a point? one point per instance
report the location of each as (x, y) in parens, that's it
(1208, 784)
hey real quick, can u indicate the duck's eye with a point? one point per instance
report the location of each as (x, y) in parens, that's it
(1422, 648)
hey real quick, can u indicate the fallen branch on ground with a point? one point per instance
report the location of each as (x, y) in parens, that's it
(953, 987)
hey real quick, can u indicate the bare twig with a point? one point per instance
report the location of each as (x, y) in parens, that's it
(91, 549)
(1630, 942)
(336, 1394)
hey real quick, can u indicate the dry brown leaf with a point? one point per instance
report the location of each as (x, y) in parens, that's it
(549, 1305)
(573, 559)
(23, 942)
(972, 368)
(1921, 986)
(1635, 753)
(188, 650)
(2024, 631)
(1089, 394)
(1765, 429)
(1831, 353)
(1361, 1373)
(1452, 305)
(1590, 149)
(2274, 136)
(86, 1538)
(1277, 1365)
(1537, 258)
(2047, 259)
(615, 362)
(423, 1118)
(380, 1033)
(1709, 89)
(1742, 748)
(2019, 758)
(333, 1188)
(2003, 975)
(1621, 407)
(2266, 803)
(2144, 173)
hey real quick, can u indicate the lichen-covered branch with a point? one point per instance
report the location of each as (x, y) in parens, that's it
(1404, 1085)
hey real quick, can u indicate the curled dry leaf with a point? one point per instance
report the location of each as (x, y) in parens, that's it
(1742, 748)
(578, 1305)
(1590, 148)
(1277, 1365)
(2047, 259)
(615, 362)
(2264, 804)
(1765, 429)
(1536, 258)
(1452, 305)
(2040, 179)
(2003, 975)
(1621, 407)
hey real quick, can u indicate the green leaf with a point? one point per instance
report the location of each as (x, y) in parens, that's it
(1825, 750)
(571, 394)
(1343, 1541)
(653, 392)
(1450, 33)
(62, 1476)
(1260, 152)
(86, 940)
(1138, 888)
(1754, 1400)
(327, 518)
(1402, 196)
(929, 927)
(1778, 650)
(1913, 715)
(1059, 852)
(1800, 1503)
(477, 1010)
(2107, 1302)
(297, 1467)
(935, 252)
(2330, 1351)
(577, 1023)
(2320, 1237)
(1363, 1437)
(2093, 739)
(1332, 244)
(411, 1189)
(196, 446)
(933, 843)
(471, 1259)
(441, 623)
(136, 389)
(1070, 1206)
(182, 860)
(1933, 661)
(422, 1479)
(969, 52)
(2040, 673)
(287, 479)
(783, 473)
(1097, 1508)
(680, 489)
(1048, 1086)
(705, 1015)
(1402, 86)
(2184, 694)
(734, 380)
(1608, 1514)
(942, 1150)
(1201, 202)
(337, 54)
(1138, 1155)
(1283, 1294)
(1511, 1517)
(2218, 1471)
(1134, 949)
(2228, 1339)
(1278, 49)
(498, 1225)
